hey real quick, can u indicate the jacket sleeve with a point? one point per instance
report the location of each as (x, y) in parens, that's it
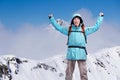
(90, 30)
(58, 27)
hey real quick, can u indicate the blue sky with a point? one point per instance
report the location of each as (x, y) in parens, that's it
(25, 29)
(14, 13)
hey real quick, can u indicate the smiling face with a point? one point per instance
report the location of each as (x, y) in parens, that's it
(76, 21)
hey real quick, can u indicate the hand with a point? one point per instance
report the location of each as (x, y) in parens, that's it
(101, 14)
(50, 15)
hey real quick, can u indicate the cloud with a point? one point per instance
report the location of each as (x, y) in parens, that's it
(43, 41)
(30, 41)
(5, 39)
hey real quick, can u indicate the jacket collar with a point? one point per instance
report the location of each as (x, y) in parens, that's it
(76, 27)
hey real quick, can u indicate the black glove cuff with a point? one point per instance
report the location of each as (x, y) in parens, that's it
(102, 15)
(49, 17)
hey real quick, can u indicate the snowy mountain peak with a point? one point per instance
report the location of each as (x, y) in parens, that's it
(104, 65)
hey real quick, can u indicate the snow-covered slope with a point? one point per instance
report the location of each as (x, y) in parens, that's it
(103, 66)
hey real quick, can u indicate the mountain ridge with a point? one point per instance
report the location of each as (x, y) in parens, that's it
(102, 66)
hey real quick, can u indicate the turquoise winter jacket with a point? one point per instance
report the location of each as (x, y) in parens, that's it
(76, 39)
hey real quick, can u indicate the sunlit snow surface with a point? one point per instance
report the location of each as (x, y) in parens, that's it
(104, 65)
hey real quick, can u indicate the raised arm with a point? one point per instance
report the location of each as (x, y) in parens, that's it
(90, 30)
(57, 26)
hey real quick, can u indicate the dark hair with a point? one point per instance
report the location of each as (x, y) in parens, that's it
(81, 21)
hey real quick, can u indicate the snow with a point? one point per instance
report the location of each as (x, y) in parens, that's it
(105, 65)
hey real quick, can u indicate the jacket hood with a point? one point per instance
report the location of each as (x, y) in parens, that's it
(76, 15)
